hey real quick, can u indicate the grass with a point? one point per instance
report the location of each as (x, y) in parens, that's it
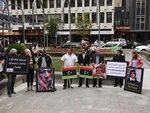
(57, 64)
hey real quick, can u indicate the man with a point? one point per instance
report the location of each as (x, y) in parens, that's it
(97, 59)
(83, 60)
(68, 60)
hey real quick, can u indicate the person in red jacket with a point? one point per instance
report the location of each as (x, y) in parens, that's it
(136, 61)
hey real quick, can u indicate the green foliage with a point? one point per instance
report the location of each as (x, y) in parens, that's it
(83, 25)
(53, 25)
(20, 48)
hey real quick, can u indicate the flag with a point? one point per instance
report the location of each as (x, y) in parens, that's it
(86, 72)
(69, 72)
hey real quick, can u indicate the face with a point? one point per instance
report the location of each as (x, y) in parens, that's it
(132, 75)
(97, 51)
(118, 53)
(45, 74)
(83, 51)
(69, 51)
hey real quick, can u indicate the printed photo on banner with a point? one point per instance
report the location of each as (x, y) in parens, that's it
(45, 80)
(69, 72)
(134, 80)
(116, 69)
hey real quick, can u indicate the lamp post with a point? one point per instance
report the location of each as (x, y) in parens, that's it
(98, 20)
(118, 20)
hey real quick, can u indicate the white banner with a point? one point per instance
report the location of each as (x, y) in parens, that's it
(117, 69)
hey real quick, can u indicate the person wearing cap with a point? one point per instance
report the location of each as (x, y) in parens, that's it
(119, 58)
(44, 61)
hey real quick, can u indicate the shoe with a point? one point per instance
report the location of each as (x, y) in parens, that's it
(31, 88)
(13, 92)
(79, 86)
(9, 95)
(64, 88)
(71, 87)
(87, 86)
(94, 85)
(115, 85)
(100, 86)
(120, 86)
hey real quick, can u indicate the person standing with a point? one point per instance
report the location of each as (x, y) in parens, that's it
(136, 60)
(30, 75)
(11, 77)
(68, 60)
(83, 60)
(119, 58)
(97, 60)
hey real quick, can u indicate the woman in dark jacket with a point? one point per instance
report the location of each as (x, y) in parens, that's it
(119, 58)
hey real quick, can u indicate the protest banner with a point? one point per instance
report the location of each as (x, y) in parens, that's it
(86, 72)
(69, 72)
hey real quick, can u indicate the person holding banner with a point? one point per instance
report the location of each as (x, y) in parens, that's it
(136, 61)
(68, 60)
(83, 60)
(97, 60)
(119, 58)
(11, 77)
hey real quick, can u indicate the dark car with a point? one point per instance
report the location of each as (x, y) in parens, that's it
(73, 45)
(132, 45)
(146, 42)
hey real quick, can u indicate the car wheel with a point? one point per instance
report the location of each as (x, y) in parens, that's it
(132, 47)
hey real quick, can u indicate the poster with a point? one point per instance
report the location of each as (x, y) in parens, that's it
(134, 80)
(86, 72)
(69, 72)
(116, 69)
(45, 80)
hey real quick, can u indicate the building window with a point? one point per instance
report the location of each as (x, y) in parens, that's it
(73, 18)
(94, 2)
(102, 2)
(66, 18)
(20, 17)
(94, 17)
(142, 26)
(109, 2)
(25, 4)
(31, 2)
(19, 3)
(55, 16)
(72, 3)
(138, 23)
(109, 17)
(102, 17)
(38, 4)
(51, 3)
(79, 3)
(39, 18)
(79, 15)
(28, 18)
(58, 3)
(66, 3)
(86, 3)
(12, 2)
(45, 3)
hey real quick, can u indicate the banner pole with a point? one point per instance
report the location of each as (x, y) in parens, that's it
(69, 83)
(97, 80)
(85, 82)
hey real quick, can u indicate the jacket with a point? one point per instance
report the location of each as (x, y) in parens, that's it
(139, 63)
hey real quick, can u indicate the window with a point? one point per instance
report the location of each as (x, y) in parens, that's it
(25, 4)
(38, 4)
(142, 26)
(138, 23)
(79, 16)
(101, 2)
(66, 18)
(31, 2)
(39, 18)
(109, 17)
(58, 3)
(94, 17)
(102, 17)
(79, 3)
(19, 3)
(142, 11)
(94, 2)
(13, 2)
(72, 3)
(28, 18)
(45, 3)
(73, 18)
(109, 2)
(20, 17)
(86, 3)
(66, 3)
(51, 3)
(55, 16)
(138, 11)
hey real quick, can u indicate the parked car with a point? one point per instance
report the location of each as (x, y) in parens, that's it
(73, 45)
(101, 43)
(114, 46)
(133, 44)
(146, 42)
(120, 40)
(142, 48)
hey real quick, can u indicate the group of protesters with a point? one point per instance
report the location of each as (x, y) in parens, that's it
(67, 60)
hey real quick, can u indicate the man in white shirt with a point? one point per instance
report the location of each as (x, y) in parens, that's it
(68, 60)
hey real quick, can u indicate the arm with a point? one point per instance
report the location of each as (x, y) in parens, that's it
(140, 63)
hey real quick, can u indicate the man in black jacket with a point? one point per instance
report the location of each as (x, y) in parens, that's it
(97, 59)
(83, 60)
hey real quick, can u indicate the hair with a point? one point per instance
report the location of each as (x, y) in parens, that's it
(29, 52)
(135, 55)
(1, 45)
(13, 51)
(120, 51)
(133, 71)
(70, 49)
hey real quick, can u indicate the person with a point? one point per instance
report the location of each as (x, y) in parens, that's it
(83, 60)
(119, 58)
(30, 75)
(68, 60)
(96, 43)
(36, 49)
(2, 54)
(92, 49)
(136, 61)
(11, 77)
(97, 59)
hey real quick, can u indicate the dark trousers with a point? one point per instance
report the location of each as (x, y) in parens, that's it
(10, 83)
(67, 81)
(95, 82)
(120, 81)
(80, 81)
(30, 77)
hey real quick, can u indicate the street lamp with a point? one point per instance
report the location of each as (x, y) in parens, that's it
(118, 19)
(98, 19)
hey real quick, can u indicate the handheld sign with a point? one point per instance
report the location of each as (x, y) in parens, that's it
(86, 72)
(16, 64)
(69, 72)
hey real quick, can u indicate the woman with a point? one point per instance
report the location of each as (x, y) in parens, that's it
(136, 60)
(119, 58)
(1, 59)
(30, 75)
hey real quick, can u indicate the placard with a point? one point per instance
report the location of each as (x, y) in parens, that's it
(16, 64)
(134, 80)
(69, 72)
(116, 69)
(86, 72)
(45, 80)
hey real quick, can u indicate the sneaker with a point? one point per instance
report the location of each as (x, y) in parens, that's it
(79, 85)
(100, 86)
(9, 95)
(64, 88)
(13, 92)
(87, 86)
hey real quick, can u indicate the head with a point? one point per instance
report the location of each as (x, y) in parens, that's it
(119, 52)
(43, 53)
(134, 55)
(69, 51)
(1, 45)
(132, 74)
(27, 52)
(97, 51)
(83, 50)
(13, 51)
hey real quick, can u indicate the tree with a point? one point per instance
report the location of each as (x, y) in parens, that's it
(53, 25)
(83, 25)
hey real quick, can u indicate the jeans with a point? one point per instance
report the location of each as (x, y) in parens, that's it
(10, 83)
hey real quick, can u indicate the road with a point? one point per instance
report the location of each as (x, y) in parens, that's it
(80, 100)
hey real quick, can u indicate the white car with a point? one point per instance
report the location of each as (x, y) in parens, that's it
(142, 48)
